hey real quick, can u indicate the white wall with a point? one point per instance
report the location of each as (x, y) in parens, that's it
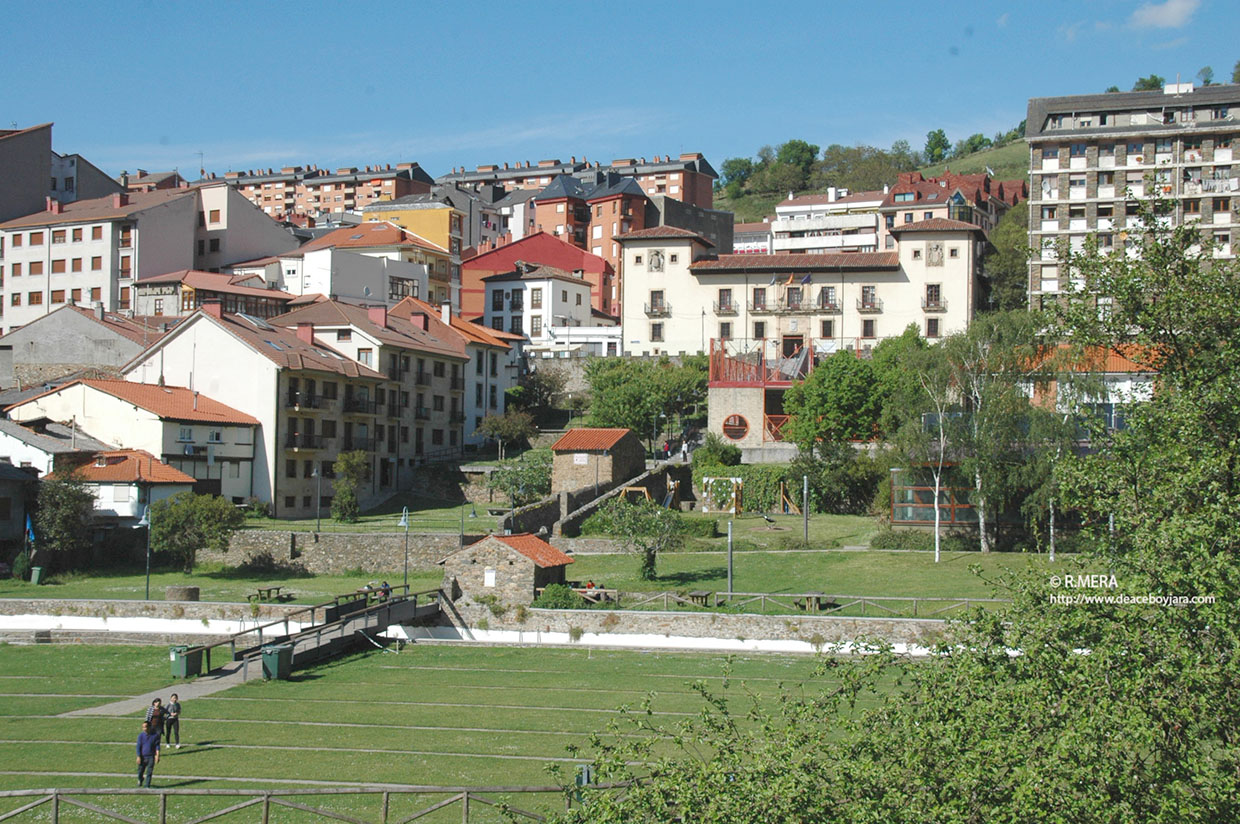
(244, 231)
(102, 416)
(348, 275)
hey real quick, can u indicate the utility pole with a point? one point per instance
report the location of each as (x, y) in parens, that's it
(729, 557)
(805, 506)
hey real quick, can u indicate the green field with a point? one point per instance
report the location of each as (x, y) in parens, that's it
(431, 715)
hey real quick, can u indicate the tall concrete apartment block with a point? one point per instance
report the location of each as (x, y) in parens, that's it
(1092, 157)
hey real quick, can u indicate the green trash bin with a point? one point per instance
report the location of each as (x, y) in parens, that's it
(185, 664)
(36, 575)
(278, 661)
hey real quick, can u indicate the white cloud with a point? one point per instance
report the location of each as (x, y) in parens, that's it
(1003, 20)
(1170, 44)
(1069, 31)
(1171, 14)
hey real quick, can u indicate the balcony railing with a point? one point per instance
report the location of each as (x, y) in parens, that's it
(422, 379)
(458, 384)
(827, 306)
(658, 310)
(295, 441)
(726, 307)
(395, 373)
(297, 400)
(456, 417)
(933, 305)
(869, 307)
(351, 443)
(421, 413)
(360, 406)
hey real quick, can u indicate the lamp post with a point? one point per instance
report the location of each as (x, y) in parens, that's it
(146, 522)
(404, 521)
(318, 499)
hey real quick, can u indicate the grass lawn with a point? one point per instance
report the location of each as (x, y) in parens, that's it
(439, 715)
(751, 531)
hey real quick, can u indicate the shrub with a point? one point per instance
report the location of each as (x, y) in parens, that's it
(21, 566)
(715, 451)
(701, 528)
(917, 539)
(559, 596)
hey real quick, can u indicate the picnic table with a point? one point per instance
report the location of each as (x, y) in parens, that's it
(596, 595)
(815, 601)
(270, 594)
(700, 597)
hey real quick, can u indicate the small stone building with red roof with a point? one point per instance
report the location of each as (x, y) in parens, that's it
(126, 481)
(595, 457)
(509, 567)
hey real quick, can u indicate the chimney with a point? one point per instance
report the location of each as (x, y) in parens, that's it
(120, 199)
(377, 315)
(445, 312)
(195, 400)
(833, 194)
(54, 206)
(305, 333)
(213, 308)
(98, 307)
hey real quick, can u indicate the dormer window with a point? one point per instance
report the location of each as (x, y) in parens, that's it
(904, 197)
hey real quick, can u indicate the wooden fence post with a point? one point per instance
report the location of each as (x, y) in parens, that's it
(465, 807)
(163, 808)
(55, 807)
(266, 808)
(386, 796)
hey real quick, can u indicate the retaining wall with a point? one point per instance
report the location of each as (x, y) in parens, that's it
(329, 553)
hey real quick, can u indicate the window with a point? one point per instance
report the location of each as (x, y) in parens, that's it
(1135, 148)
(96, 263)
(1076, 181)
(1192, 207)
(637, 259)
(213, 216)
(1050, 152)
(1077, 150)
(58, 296)
(867, 328)
(76, 265)
(735, 427)
(889, 242)
(17, 241)
(1221, 204)
(58, 266)
(759, 297)
(214, 244)
(34, 299)
(927, 215)
(36, 238)
(36, 267)
(563, 296)
(535, 299)
(578, 298)
(497, 301)
(365, 357)
(437, 369)
(96, 233)
(58, 236)
(656, 332)
(827, 329)
(15, 299)
(725, 331)
(759, 329)
(869, 296)
(934, 295)
(932, 327)
(515, 326)
(95, 293)
(673, 258)
(215, 436)
(77, 235)
(123, 303)
(908, 217)
(916, 254)
(904, 197)
(290, 502)
(16, 270)
(953, 252)
(536, 323)
(76, 295)
(290, 470)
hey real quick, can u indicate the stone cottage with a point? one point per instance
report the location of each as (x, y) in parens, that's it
(595, 457)
(510, 567)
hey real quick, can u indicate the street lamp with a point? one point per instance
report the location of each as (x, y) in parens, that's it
(146, 522)
(318, 498)
(404, 521)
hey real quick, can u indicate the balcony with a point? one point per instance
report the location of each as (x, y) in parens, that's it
(658, 310)
(422, 379)
(360, 406)
(456, 416)
(829, 307)
(458, 384)
(933, 305)
(352, 443)
(297, 400)
(725, 308)
(872, 306)
(296, 441)
(761, 307)
(395, 373)
(421, 413)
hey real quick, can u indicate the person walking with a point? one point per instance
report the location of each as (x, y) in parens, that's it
(155, 717)
(172, 724)
(148, 754)
(684, 451)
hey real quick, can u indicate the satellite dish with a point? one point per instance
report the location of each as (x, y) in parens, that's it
(366, 291)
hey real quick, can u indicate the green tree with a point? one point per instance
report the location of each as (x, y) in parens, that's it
(937, 146)
(1206, 75)
(715, 451)
(62, 523)
(1006, 269)
(352, 469)
(924, 437)
(1152, 83)
(1112, 90)
(540, 389)
(972, 143)
(526, 479)
(185, 523)
(897, 388)
(510, 427)
(645, 396)
(736, 170)
(647, 529)
(839, 401)
(1235, 73)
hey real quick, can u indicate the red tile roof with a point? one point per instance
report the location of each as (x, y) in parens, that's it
(786, 262)
(217, 282)
(287, 351)
(364, 236)
(99, 209)
(401, 332)
(129, 466)
(175, 403)
(655, 232)
(536, 549)
(472, 332)
(936, 224)
(539, 247)
(814, 200)
(761, 226)
(579, 440)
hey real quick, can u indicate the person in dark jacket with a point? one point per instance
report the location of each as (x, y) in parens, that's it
(155, 716)
(148, 753)
(172, 723)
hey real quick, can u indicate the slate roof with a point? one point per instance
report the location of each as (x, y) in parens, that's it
(137, 329)
(54, 439)
(578, 440)
(563, 186)
(538, 272)
(787, 262)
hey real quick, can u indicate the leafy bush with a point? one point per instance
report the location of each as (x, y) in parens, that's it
(700, 528)
(841, 482)
(918, 539)
(527, 479)
(21, 566)
(559, 596)
(715, 451)
(761, 483)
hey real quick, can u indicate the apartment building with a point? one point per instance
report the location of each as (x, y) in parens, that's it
(533, 298)
(972, 198)
(309, 190)
(338, 274)
(494, 359)
(837, 221)
(311, 401)
(93, 251)
(688, 178)
(144, 181)
(540, 248)
(25, 167)
(1093, 157)
(752, 238)
(211, 443)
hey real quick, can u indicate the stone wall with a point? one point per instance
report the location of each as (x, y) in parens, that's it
(573, 546)
(655, 481)
(532, 517)
(333, 553)
(192, 610)
(812, 629)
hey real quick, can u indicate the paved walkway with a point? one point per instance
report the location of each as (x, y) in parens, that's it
(225, 677)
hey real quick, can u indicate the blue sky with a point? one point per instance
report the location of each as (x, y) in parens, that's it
(447, 84)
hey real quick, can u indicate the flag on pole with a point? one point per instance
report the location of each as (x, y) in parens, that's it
(29, 530)
(808, 279)
(791, 276)
(774, 278)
